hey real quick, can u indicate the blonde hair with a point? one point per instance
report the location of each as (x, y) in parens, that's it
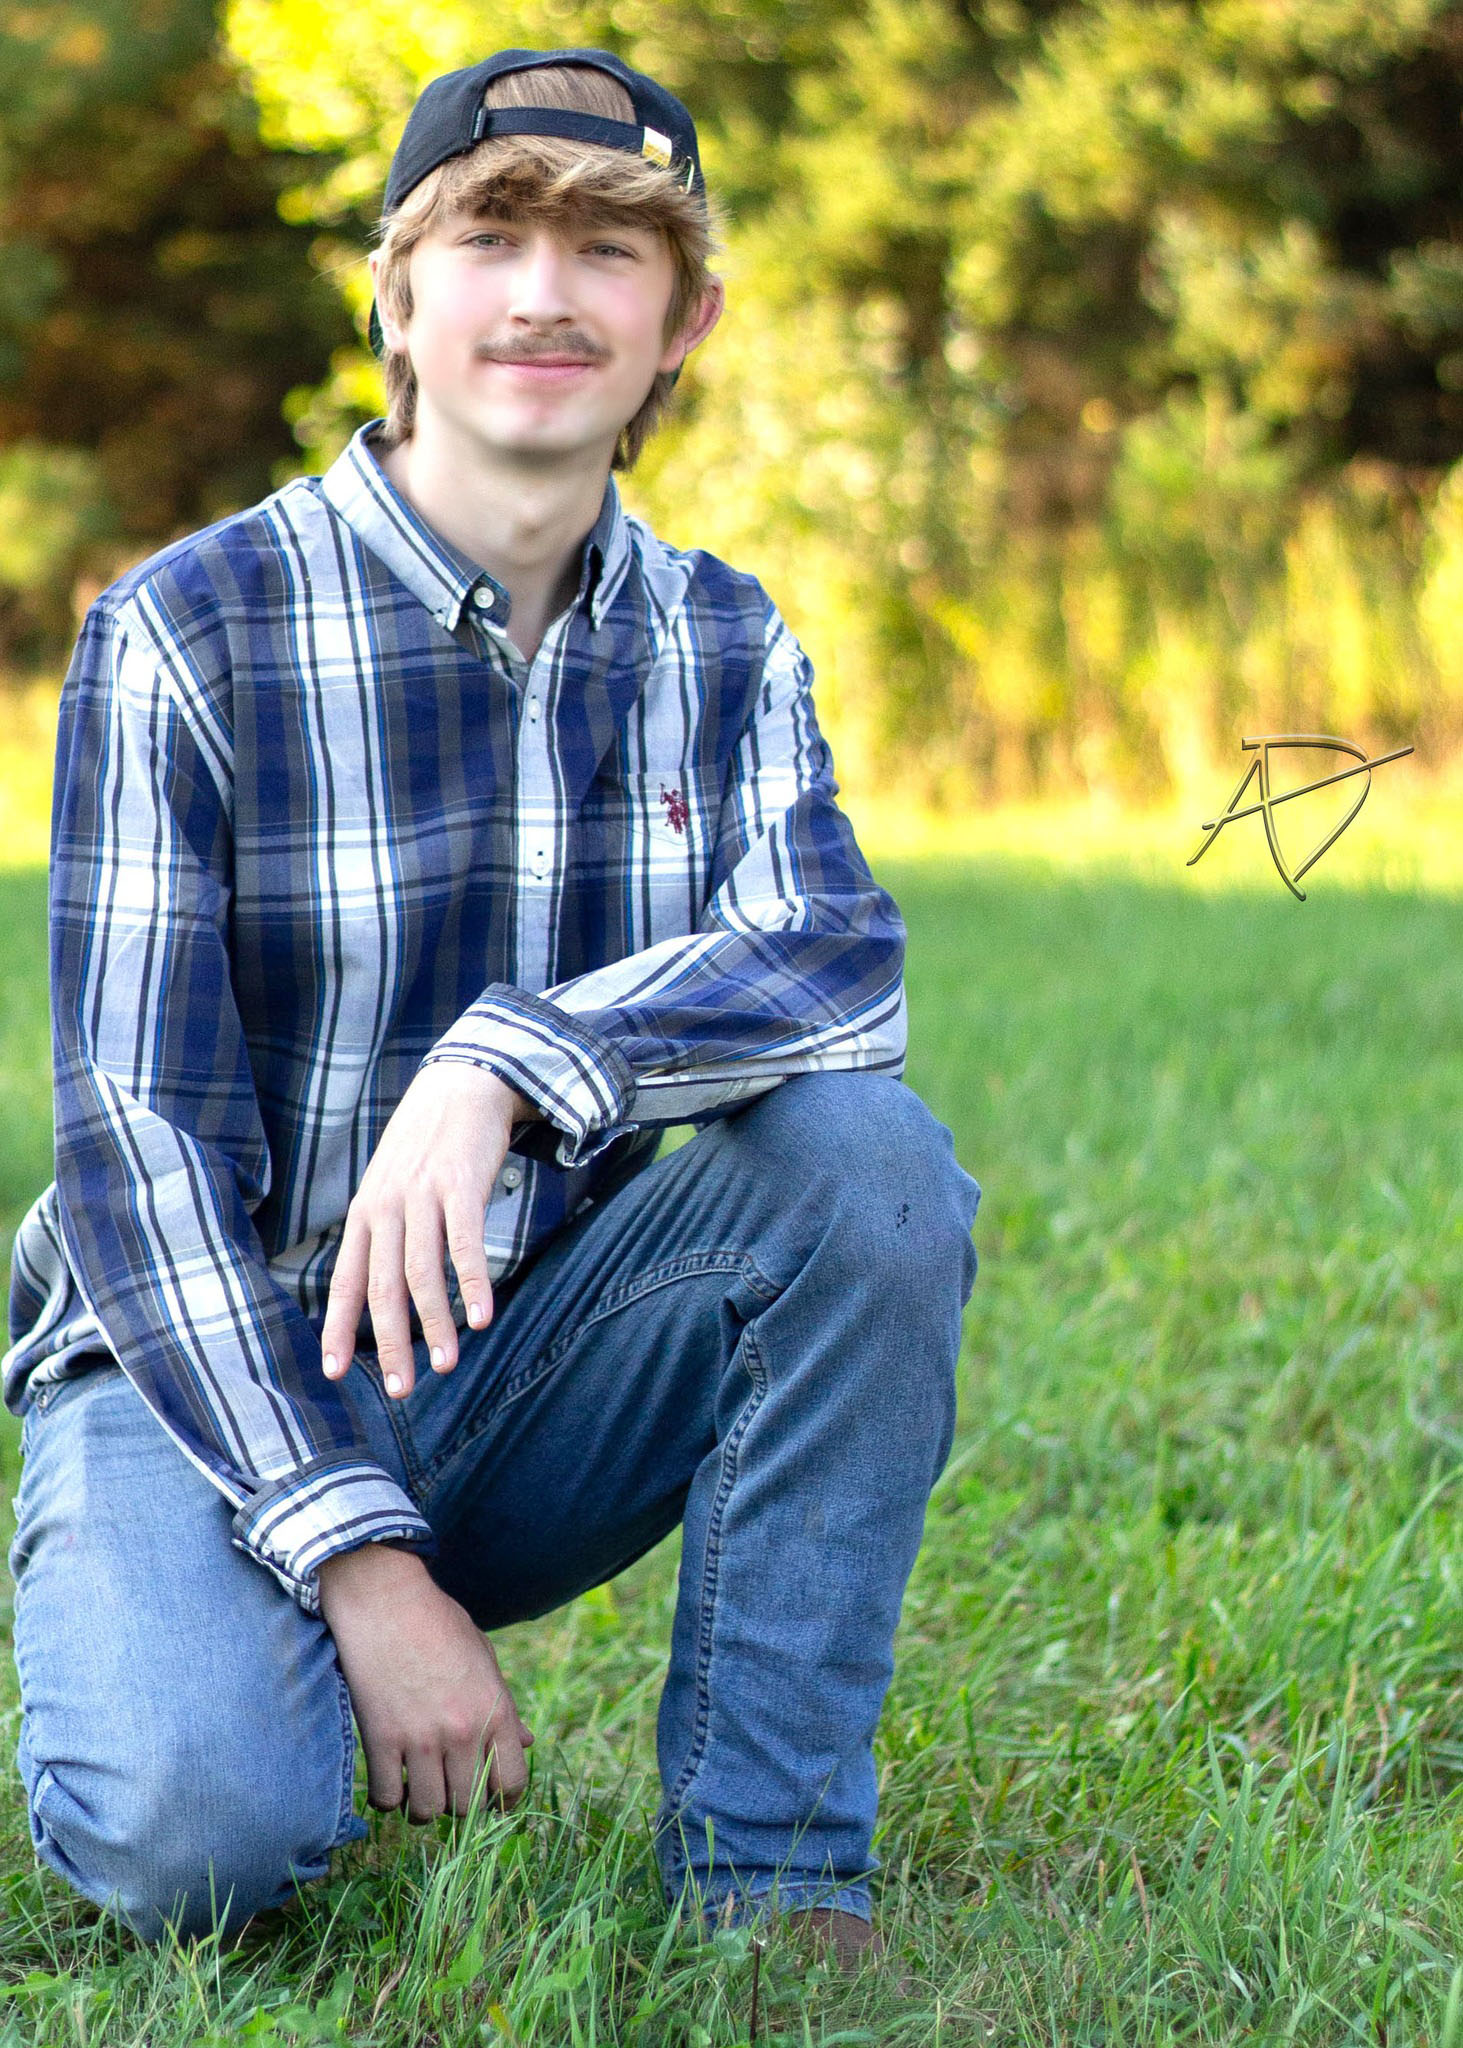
(552, 182)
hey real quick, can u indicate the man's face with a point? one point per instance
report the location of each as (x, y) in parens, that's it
(537, 342)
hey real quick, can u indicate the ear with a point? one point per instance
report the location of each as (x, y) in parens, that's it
(704, 316)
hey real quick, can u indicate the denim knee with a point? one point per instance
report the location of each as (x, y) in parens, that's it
(168, 1842)
(878, 1174)
(867, 1220)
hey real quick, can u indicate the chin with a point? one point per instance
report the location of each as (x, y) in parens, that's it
(546, 440)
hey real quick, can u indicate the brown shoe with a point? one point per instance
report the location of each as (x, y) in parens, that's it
(827, 1931)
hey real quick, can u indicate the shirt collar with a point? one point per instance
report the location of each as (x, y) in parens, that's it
(437, 573)
(606, 555)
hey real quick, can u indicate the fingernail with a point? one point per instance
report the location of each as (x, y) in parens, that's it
(475, 1313)
(332, 1367)
(393, 1383)
(439, 1356)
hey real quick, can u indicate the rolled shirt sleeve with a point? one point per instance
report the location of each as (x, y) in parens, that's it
(796, 965)
(161, 1154)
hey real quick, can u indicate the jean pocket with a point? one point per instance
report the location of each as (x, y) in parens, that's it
(52, 1395)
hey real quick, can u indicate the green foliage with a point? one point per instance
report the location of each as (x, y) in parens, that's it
(1067, 337)
(53, 509)
(155, 310)
(25, 1049)
(1059, 333)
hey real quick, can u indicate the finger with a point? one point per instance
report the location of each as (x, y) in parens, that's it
(467, 1773)
(347, 1298)
(465, 1242)
(387, 1296)
(426, 1787)
(425, 1276)
(508, 1767)
(383, 1774)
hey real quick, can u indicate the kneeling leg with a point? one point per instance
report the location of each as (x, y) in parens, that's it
(186, 1738)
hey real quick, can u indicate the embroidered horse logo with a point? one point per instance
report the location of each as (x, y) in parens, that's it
(677, 810)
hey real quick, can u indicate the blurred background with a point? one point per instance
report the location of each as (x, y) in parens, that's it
(1092, 388)
(1090, 396)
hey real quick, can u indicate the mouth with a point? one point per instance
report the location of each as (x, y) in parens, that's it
(553, 364)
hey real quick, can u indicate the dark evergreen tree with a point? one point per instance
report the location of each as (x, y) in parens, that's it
(154, 307)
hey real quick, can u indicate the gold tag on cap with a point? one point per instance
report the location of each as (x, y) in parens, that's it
(658, 148)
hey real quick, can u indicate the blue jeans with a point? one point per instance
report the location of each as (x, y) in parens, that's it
(755, 1338)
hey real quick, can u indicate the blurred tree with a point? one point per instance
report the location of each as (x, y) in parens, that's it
(155, 309)
(1050, 320)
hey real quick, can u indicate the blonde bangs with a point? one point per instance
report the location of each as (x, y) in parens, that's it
(560, 183)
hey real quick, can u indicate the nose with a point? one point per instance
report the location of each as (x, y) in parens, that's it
(540, 295)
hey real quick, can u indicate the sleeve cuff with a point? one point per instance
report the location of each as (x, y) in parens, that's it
(577, 1081)
(293, 1525)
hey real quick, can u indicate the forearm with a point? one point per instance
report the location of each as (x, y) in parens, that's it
(794, 964)
(694, 1026)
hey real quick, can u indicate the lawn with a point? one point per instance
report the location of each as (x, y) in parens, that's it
(1174, 1750)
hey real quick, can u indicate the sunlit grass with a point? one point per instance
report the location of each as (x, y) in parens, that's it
(1407, 835)
(1174, 1750)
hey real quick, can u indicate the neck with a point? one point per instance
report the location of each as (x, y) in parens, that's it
(524, 523)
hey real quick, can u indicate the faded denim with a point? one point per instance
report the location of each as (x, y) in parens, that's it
(755, 1337)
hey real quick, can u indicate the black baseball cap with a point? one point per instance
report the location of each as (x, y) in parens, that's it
(449, 118)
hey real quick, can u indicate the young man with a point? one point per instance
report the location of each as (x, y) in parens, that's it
(427, 839)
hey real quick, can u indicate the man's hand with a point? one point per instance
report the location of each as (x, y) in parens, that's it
(427, 1692)
(424, 1194)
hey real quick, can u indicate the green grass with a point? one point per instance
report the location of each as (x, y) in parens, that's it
(1174, 1751)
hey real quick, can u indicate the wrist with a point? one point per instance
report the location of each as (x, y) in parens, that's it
(371, 1570)
(501, 1095)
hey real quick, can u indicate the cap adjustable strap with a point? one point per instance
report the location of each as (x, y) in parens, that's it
(573, 126)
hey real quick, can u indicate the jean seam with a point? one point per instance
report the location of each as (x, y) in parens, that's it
(49, 1392)
(348, 1768)
(730, 1466)
(685, 1266)
(718, 1259)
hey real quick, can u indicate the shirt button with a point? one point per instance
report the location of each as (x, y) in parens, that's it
(483, 599)
(533, 709)
(512, 1177)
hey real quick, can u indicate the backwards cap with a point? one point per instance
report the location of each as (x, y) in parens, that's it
(449, 118)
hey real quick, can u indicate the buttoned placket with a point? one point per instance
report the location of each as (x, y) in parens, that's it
(535, 807)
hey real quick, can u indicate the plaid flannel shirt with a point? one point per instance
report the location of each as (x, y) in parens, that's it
(317, 823)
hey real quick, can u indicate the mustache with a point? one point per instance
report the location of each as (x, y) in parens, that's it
(532, 348)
